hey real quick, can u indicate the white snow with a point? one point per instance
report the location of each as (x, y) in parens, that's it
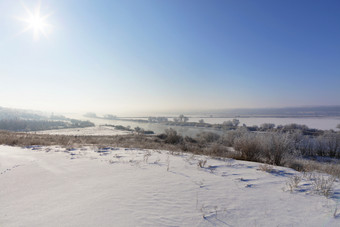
(52, 186)
(88, 131)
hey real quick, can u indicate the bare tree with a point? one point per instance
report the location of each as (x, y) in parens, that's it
(139, 130)
(236, 122)
(181, 118)
(228, 123)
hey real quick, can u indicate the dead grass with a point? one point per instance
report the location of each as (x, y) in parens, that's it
(303, 165)
(324, 185)
(213, 149)
(266, 168)
(201, 163)
(293, 182)
(128, 141)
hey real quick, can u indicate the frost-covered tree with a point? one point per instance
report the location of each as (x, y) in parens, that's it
(139, 130)
(267, 126)
(181, 118)
(228, 123)
(236, 122)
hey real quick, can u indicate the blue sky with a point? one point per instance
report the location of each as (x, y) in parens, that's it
(157, 55)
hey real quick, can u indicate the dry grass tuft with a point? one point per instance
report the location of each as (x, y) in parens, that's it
(266, 168)
(293, 182)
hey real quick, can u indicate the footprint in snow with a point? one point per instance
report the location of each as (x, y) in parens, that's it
(250, 186)
(13, 167)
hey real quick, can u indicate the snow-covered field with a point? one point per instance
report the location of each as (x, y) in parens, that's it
(52, 186)
(89, 131)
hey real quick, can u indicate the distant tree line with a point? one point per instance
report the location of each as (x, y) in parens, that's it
(7, 113)
(181, 118)
(91, 115)
(137, 129)
(106, 116)
(38, 125)
(157, 119)
(110, 117)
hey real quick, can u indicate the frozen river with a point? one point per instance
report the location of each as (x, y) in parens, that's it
(319, 123)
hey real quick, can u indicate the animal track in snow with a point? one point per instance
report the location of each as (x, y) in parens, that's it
(9, 169)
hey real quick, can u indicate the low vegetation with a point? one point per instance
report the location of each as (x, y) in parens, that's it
(38, 125)
(137, 130)
(24, 121)
(291, 149)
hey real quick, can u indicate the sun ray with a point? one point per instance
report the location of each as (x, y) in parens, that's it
(36, 22)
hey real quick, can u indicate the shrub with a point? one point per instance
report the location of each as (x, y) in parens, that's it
(207, 137)
(189, 139)
(161, 136)
(249, 147)
(293, 182)
(172, 136)
(276, 147)
(324, 185)
(123, 128)
(293, 164)
(217, 149)
(229, 137)
(266, 168)
(201, 163)
(267, 126)
(149, 132)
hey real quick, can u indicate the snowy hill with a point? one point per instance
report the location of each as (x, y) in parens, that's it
(53, 186)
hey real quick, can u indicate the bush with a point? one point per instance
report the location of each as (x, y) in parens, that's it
(298, 166)
(324, 185)
(270, 148)
(249, 146)
(149, 132)
(218, 150)
(189, 139)
(266, 168)
(172, 137)
(276, 147)
(161, 136)
(267, 126)
(207, 137)
(293, 182)
(122, 128)
(229, 137)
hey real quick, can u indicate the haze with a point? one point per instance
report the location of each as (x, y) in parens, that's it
(128, 56)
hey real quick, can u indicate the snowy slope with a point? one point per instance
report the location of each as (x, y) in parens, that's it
(51, 186)
(88, 131)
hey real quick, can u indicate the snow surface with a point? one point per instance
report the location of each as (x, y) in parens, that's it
(88, 131)
(53, 186)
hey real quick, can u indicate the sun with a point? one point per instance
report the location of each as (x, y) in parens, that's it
(36, 22)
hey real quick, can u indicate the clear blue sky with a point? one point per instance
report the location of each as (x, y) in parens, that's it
(157, 55)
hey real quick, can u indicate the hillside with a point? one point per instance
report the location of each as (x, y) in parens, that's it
(54, 186)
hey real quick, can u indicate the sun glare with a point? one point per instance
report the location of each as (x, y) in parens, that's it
(36, 22)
